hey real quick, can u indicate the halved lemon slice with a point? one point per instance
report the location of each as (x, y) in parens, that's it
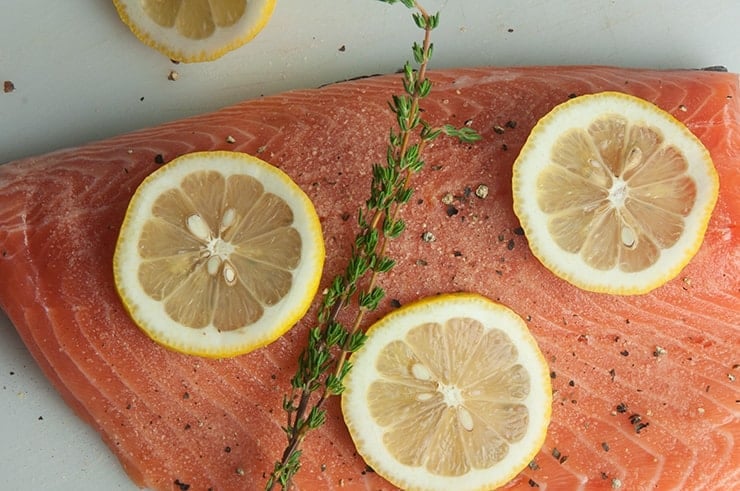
(613, 193)
(195, 30)
(450, 392)
(219, 253)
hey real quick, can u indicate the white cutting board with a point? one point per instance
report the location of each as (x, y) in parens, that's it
(80, 75)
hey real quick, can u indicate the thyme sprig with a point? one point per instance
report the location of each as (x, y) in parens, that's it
(323, 364)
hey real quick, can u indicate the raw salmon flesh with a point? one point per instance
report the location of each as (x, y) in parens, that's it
(645, 390)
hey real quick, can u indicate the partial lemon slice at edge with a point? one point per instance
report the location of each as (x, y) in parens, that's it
(194, 31)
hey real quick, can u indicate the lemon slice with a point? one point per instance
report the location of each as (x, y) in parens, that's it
(450, 392)
(613, 193)
(195, 30)
(219, 253)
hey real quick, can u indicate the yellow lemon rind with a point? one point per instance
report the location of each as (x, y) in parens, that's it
(149, 315)
(181, 49)
(534, 157)
(367, 435)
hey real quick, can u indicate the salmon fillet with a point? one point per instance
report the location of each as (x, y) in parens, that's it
(645, 395)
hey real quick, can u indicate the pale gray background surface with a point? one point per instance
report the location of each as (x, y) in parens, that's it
(80, 74)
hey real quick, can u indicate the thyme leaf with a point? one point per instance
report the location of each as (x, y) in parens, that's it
(464, 134)
(323, 364)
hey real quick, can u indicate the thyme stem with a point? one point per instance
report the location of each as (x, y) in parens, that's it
(323, 364)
